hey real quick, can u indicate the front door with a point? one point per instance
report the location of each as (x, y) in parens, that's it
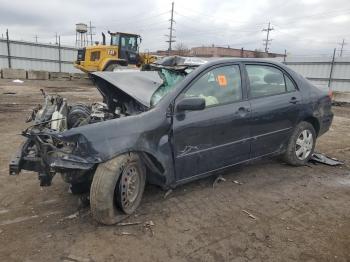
(217, 136)
(275, 103)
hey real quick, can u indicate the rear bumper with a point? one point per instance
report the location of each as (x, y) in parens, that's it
(325, 123)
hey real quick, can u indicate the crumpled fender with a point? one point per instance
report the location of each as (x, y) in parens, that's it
(147, 132)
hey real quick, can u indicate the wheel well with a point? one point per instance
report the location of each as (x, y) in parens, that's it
(314, 122)
(155, 174)
(116, 62)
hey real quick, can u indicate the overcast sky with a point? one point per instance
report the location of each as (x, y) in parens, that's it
(302, 27)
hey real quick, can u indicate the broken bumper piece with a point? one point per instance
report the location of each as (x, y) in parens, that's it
(47, 160)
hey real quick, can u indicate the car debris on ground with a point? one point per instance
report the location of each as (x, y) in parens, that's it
(17, 81)
(219, 179)
(249, 214)
(129, 224)
(148, 226)
(323, 159)
(167, 193)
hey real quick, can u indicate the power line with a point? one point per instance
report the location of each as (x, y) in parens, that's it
(171, 29)
(267, 40)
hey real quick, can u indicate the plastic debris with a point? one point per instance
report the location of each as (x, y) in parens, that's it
(17, 81)
(148, 225)
(323, 159)
(128, 224)
(167, 193)
(126, 234)
(218, 180)
(249, 214)
(72, 216)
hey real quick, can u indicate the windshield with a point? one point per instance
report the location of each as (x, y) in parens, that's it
(170, 78)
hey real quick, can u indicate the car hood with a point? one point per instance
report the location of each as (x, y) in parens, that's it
(139, 85)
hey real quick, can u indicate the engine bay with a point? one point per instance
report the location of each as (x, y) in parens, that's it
(57, 115)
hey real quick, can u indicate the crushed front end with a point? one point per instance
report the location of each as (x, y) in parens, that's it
(47, 151)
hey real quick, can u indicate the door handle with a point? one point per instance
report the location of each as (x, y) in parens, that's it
(293, 100)
(242, 111)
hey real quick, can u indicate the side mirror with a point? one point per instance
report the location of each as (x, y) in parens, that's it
(191, 103)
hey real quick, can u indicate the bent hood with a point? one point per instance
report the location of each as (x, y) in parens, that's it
(139, 85)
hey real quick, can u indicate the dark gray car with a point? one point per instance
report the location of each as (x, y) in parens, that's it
(170, 126)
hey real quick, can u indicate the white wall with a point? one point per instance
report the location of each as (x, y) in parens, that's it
(36, 56)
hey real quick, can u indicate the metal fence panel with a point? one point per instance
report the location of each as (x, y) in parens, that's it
(311, 70)
(317, 70)
(3, 62)
(341, 71)
(32, 51)
(37, 56)
(35, 65)
(3, 48)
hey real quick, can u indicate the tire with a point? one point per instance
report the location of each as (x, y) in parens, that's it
(300, 147)
(108, 192)
(79, 188)
(111, 67)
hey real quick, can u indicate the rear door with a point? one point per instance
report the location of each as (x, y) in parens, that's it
(217, 136)
(276, 106)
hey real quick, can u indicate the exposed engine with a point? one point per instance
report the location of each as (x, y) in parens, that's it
(57, 115)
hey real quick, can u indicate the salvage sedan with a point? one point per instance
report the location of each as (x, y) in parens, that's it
(172, 125)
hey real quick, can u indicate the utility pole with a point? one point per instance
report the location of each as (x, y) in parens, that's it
(59, 55)
(8, 48)
(56, 39)
(342, 47)
(331, 70)
(36, 38)
(267, 40)
(91, 32)
(171, 28)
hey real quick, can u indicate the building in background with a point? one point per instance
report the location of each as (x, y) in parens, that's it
(216, 51)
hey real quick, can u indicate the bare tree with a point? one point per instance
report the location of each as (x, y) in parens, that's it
(181, 49)
(258, 53)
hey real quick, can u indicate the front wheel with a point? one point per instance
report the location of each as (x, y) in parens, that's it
(117, 188)
(301, 145)
(111, 67)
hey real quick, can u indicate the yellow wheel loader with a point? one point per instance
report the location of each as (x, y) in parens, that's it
(122, 51)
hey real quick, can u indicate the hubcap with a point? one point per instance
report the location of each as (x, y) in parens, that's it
(130, 184)
(304, 144)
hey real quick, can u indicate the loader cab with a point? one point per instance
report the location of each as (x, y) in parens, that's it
(128, 46)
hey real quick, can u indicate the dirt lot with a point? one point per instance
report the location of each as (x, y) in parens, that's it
(300, 214)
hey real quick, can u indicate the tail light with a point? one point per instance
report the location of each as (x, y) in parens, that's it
(330, 93)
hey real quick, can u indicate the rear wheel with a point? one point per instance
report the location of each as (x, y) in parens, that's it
(301, 145)
(117, 188)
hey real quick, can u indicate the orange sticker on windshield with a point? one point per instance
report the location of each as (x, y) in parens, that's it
(222, 80)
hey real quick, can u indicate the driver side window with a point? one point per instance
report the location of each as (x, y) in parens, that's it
(220, 85)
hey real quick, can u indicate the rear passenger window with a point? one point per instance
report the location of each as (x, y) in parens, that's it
(267, 80)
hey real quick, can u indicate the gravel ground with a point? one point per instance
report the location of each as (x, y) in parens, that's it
(264, 211)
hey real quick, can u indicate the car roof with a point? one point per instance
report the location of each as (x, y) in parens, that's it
(214, 61)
